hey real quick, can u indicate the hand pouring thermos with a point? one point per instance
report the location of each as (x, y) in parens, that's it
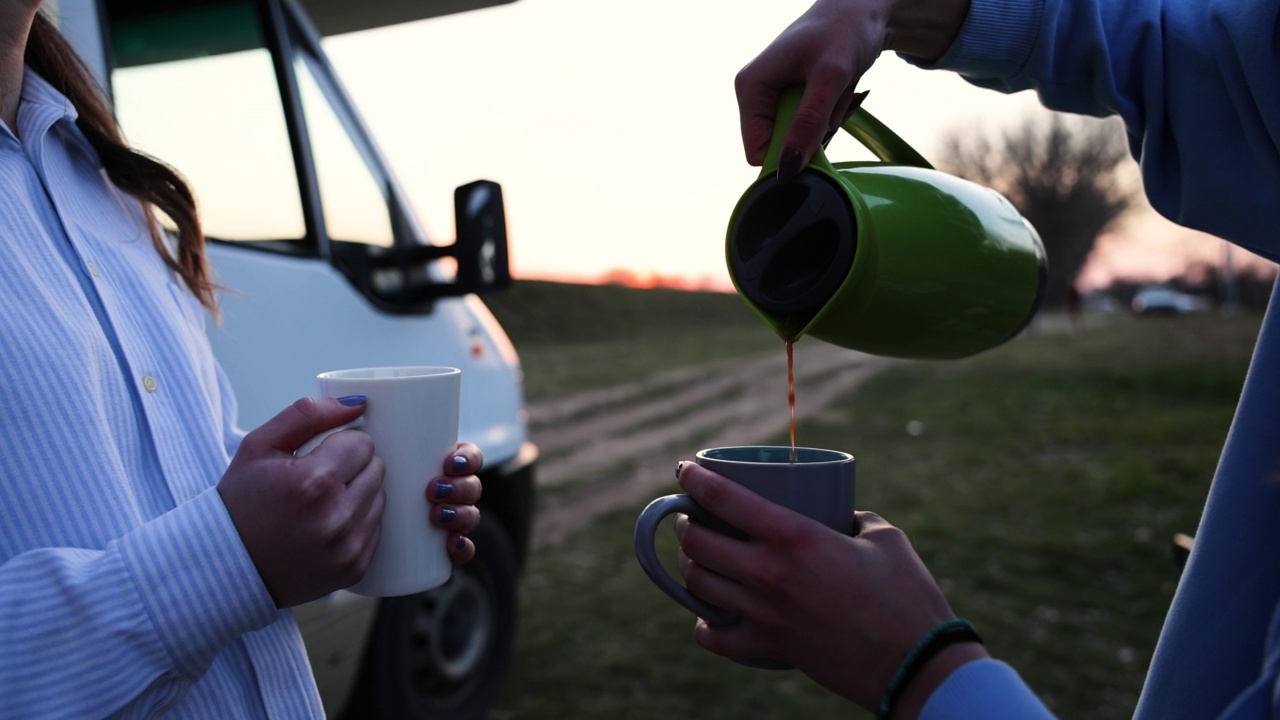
(891, 258)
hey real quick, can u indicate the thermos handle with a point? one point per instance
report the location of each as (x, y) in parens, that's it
(865, 128)
(882, 141)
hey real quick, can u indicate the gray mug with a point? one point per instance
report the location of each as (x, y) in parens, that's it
(819, 485)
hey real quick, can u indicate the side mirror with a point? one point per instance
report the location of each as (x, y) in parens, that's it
(397, 279)
(481, 246)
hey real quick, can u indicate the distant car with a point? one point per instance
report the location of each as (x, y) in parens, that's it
(1099, 303)
(1160, 300)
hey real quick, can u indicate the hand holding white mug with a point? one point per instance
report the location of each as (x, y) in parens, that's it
(310, 517)
(453, 497)
(309, 524)
(412, 416)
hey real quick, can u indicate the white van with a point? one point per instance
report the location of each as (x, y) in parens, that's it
(327, 268)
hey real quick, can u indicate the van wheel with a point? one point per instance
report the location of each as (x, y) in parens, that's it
(444, 654)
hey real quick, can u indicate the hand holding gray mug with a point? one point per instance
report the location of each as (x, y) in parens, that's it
(818, 484)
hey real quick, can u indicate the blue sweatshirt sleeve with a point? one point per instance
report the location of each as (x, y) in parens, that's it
(1194, 80)
(1197, 83)
(984, 689)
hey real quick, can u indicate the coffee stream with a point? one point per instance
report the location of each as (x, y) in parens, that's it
(789, 331)
(791, 393)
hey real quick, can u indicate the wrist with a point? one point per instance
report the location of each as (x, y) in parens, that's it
(924, 28)
(933, 674)
(940, 652)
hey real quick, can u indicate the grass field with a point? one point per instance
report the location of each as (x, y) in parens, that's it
(1041, 481)
(573, 337)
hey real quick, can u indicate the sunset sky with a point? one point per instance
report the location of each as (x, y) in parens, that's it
(613, 128)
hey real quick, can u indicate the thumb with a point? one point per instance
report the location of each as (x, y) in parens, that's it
(733, 503)
(302, 420)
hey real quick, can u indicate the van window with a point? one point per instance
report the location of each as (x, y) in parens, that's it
(196, 88)
(355, 206)
(238, 96)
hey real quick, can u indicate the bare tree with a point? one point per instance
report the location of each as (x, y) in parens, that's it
(1069, 176)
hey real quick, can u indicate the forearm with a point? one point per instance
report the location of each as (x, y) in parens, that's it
(86, 632)
(924, 29)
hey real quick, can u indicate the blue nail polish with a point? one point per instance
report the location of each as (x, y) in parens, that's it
(443, 489)
(460, 543)
(352, 400)
(459, 463)
(447, 515)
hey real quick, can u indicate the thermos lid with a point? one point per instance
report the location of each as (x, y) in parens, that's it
(792, 243)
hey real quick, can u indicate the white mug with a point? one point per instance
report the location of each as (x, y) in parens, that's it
(412, 415)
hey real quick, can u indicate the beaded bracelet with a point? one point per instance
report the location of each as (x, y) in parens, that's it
(948, 633)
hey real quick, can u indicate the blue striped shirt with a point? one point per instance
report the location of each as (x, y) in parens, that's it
(125, 589)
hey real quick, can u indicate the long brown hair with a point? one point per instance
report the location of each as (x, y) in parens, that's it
(147, 179)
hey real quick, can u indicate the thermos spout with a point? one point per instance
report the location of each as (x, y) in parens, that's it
(792, 243)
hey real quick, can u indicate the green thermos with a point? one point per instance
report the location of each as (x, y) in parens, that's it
(890, 258)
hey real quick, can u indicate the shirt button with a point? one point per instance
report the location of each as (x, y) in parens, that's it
(149, 383)
(92, 269)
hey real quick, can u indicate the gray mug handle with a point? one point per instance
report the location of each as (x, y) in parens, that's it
(646, 531)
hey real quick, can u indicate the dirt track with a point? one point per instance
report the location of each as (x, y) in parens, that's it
(617, 447)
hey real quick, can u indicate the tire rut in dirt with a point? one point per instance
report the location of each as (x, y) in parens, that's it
(610, 453)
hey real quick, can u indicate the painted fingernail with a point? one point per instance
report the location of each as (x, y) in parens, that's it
(857, 101)
(679, 467)
(443, 489)
(790, 164)
(459, 463)
(352, 400)
(447, 515)
(460, 543)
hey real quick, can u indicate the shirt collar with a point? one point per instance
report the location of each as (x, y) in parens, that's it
(43, 107)
(37, 91)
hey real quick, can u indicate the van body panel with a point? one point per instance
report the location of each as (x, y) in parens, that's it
(287, 319)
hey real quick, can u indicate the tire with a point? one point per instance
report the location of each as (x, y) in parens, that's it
(444, 654)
